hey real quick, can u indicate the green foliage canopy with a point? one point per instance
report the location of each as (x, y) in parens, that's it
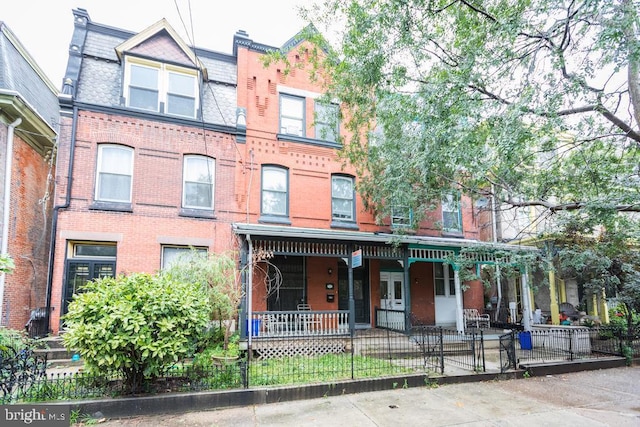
(534, 102)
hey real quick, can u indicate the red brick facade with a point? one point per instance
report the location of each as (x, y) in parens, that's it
(154, 219)
(29, 232)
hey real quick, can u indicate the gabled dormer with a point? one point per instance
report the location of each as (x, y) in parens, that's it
(161, 73)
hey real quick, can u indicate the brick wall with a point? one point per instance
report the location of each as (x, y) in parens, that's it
(29, 234)
(156, 194)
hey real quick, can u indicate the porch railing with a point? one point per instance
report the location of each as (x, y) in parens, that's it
(390, 319)
(269, 324)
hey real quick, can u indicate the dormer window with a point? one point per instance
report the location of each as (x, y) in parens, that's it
(162, 88)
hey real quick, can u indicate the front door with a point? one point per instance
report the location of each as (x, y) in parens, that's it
(391, 287)
(81, 272)
(360, 290)
(445, 294)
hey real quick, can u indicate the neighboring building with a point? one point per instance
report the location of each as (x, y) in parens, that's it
(165, 146)
(29, 117)
(303, 209)
(147, 160)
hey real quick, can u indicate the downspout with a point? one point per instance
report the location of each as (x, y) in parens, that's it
(56, 210)
(7, 205)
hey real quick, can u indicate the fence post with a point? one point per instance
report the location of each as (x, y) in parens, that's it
(484, 364)
(473, 350)
(441, 351)
(571, 332)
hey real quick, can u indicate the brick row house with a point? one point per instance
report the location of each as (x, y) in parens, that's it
(29, 116)
(165, 146)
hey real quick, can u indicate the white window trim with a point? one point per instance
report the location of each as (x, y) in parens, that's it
(458, 205)
(448, 279)
(353, 199)
(163, 83)
(99, 172)
(286, 191)
(212, 183)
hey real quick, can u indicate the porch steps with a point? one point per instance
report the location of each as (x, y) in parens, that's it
(55, 350)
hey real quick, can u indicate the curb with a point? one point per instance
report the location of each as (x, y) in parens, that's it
(174, 403)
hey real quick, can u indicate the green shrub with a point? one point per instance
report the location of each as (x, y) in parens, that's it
(135, 326)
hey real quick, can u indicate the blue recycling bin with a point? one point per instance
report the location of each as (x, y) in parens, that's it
(525, 340)
(255, 327)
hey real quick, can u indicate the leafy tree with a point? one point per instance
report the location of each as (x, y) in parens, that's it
(534, 102)
(605, 260)
(217, 275)
(136, 326)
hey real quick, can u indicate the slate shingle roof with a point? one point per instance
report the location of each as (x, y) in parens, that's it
(100, 78)
(19, 73)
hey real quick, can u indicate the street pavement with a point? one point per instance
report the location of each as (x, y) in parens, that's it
(608, 397)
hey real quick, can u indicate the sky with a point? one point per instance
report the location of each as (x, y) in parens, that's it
(44, 27)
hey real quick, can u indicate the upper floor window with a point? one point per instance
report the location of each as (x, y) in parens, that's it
(451, 214)
(326, 123)
(342, 198)
(292, 115)
(401, 217)
(197, 191)
(161, 87)
(114, 173)
(275, 191)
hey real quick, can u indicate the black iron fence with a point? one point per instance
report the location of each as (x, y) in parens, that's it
(567, 344)
(288, 360)
(312, 359)
(20, 369)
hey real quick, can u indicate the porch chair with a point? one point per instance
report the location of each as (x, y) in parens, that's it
(472, 317)
(308, 322)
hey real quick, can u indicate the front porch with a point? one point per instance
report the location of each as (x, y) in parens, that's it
(280, 324)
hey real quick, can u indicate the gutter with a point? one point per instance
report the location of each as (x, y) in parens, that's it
(56, 211)
(7, 205)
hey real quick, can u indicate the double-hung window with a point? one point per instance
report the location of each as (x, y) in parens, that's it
(114, 173)
(326, 122)
(292, 115)
(161, 87)
(401, 217)
(451, 214)
(342, 198)
(275, 191)
(198, 181)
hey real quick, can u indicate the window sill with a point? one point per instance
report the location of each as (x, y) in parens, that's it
(403, 229)
(305, 140)
(111, 206)
(197, 213)
(343, 224)
(271, 219)
(457, 234)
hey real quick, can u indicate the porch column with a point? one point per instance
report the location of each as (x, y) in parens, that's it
(553, 303)
(459, 312)
(407, 292)
(604, 308)
(352, 303)
(563, 292)
(526, 303)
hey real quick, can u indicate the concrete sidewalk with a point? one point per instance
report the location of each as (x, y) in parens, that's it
(608, 397)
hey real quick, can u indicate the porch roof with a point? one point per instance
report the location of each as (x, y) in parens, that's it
(426, 242)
